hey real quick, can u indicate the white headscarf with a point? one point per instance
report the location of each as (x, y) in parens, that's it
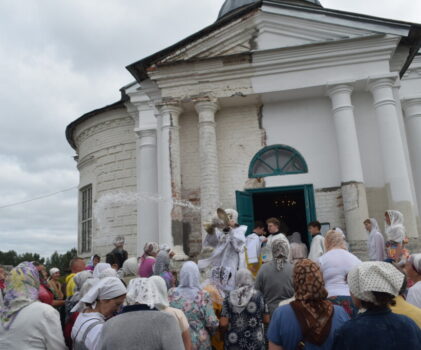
(103, 270)
(53, 270)
(374, 225)
(130, 267)
(244, 289)
(166, 247)
(415, 260)
(106, 289)
(374, 276)
(295, 238)
(140, 291)
(189, 280)
(80, 279)
(159, 291)
(396, 230)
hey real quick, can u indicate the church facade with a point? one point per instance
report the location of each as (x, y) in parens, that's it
(279, 108)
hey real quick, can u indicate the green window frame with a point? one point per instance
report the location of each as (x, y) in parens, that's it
(277, 160)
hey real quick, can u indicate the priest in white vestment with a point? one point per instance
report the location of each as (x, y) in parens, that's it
(229, 243)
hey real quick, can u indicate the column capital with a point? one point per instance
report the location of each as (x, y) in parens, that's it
(379, 81)
(382, 89)
(206, 104)
(173, 107)
(412, 106)
(170, 112)
(339, 88)
(340, 95)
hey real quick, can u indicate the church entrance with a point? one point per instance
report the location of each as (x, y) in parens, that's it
(292, 205)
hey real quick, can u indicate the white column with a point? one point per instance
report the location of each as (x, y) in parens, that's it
(169, 179)
(353, 189)
(412, 109)
(393, 152)
(147, 185)
(209, 178)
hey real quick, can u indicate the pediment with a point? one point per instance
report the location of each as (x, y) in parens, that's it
(263, 31)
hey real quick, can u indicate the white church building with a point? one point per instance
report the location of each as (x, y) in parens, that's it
(280, 108)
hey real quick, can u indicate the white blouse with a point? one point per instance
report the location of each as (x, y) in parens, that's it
(335, 266)
(37, 326)
(93, 337)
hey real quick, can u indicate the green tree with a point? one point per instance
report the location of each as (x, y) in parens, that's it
(61, 261)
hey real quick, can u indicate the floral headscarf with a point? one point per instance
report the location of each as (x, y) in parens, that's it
(280, 252)
(149, 249)
(160, 293)
(217, 283)
(22, 287)
(140, 291)
(311, 308)
(244, 289)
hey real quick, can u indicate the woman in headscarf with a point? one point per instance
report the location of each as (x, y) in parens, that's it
(129, 270)
(395, 233)
(99, 304)
(274, 279)
(140, 324)
(147, 261)
(374, 286)
(27, 323)
(375, 242)
(160, 296)
(243, 315)
(196, 304)
(81, 282)
(103, 270)
(162, 268)
(216, 285)
(335, 265)
(95, 259)
(55, 285)
(310, 321)
(413, 271)
(298, 249)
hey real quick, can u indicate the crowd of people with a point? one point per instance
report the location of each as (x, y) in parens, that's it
(263, 291)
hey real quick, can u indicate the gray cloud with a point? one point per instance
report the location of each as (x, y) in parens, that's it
(61, 59)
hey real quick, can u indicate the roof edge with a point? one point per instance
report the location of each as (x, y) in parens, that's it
(139, 68)
(73, 125)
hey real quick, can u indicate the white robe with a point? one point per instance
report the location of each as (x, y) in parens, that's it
(254, 245)
(229, 251)
(317, 248)
(376, 246)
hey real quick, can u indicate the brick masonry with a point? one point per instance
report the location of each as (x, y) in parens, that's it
(107, 160)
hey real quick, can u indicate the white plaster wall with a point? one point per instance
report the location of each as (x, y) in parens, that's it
(306, 125)
(368, 138)
(107, 160)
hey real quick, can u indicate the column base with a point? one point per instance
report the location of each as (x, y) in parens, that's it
(179, 254)
(359, 248)
(355, 209)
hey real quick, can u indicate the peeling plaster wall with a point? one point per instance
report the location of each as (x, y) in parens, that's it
(107, 160)
(239, 138)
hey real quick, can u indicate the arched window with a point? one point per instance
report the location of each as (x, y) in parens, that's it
(277, 160)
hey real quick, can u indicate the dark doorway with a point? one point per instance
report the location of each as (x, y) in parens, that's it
(289, 207)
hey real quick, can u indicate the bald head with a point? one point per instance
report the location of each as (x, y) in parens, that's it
(77, 265)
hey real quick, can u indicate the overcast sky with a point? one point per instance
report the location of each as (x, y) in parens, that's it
(61, 59)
